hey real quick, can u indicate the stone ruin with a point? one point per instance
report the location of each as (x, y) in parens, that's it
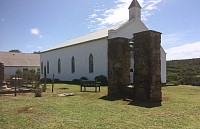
(1, 75)
(118, 66)
(147, 67)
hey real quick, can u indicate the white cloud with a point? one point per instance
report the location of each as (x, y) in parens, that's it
(93, 15)
(184, 52)
(174, 39)
(35, 31)
(119, 13)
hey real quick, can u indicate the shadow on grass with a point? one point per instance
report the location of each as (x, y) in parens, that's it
(90, 91)
(64, 88)
(110, 98)
(146, 104)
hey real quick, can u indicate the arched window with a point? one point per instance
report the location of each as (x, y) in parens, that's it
(42, 70)
(91, 64)
(73, 65)
(47, 67)
(59, 65)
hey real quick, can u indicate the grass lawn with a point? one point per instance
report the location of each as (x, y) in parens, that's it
(180, 109)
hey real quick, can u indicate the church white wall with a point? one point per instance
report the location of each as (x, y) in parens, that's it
(81, 54)
(127, 30)
(163, 65)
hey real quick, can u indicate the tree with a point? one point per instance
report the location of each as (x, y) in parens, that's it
(36, 52)
(15, 50)
(18, 72)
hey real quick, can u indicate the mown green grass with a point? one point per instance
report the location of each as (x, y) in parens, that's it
(180, 109)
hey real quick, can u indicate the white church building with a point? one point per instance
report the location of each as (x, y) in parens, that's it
(87, 55)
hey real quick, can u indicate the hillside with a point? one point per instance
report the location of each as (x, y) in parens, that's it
(183, 71)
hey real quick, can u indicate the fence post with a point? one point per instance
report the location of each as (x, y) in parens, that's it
(52, 83)
(45, 79)
(15, 85)
(36, 80)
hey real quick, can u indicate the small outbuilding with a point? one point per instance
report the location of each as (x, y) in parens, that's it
(19, 61)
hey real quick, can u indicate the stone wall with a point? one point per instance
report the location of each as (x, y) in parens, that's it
(1, 73)
(147, 66)
(118, 66)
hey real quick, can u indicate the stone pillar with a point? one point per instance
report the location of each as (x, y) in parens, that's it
(118, 66)
(147, 66)
(1, 73)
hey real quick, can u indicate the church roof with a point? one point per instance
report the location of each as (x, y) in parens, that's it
(89, 37)
(12, 59)
(134, 4)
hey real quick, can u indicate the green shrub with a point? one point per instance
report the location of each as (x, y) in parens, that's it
(48, 80)
(18, 72)
(102, 79)
(83, 78)
(56, 80)
(75, 81)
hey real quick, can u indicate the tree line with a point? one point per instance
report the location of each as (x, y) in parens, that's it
(18, 51)
(183, 72)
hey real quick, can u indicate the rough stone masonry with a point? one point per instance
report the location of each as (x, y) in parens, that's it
(118, 66)
(1, 74)
(147, 66)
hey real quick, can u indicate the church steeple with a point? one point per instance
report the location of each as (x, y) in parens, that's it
(134, 10)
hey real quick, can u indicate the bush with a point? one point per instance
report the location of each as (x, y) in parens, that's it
(102, 79)
(76, 81)
(83, 78)
(56, 81)
(19, 73)
(48, 80)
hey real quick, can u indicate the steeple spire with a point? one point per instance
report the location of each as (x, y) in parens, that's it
(134, 4)
(134, 10)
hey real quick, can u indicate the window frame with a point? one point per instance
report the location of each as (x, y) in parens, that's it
(91, 63)
(59, 65)
(73, 69)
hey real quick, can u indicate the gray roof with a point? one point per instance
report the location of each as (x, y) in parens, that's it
(82, 39)
(134, 4)
(19, 59)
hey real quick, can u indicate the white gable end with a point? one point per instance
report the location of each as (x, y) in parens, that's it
(128, 29)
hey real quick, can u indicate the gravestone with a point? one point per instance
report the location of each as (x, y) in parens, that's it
(118, 66)
(147, 66)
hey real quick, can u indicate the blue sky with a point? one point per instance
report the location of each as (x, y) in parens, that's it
(36, 25)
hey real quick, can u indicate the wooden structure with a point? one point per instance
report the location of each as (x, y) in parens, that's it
(89, 83)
